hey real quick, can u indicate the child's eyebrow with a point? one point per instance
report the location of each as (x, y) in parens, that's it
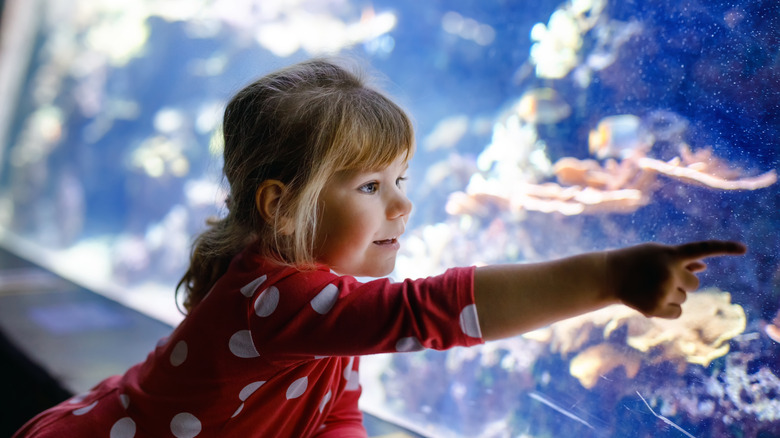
(348, 173)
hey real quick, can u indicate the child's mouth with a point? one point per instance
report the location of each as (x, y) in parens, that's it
(386, 242)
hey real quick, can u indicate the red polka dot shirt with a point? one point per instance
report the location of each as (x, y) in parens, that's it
(270, 352)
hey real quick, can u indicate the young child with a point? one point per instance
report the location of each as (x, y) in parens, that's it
(316, 162)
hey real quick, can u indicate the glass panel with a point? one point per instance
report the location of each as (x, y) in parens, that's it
(544, 129)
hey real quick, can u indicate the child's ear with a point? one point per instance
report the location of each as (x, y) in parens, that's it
(267, 199)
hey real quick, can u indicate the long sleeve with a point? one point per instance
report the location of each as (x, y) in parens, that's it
(318, 313)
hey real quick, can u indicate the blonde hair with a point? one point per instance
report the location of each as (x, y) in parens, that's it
(298, 125)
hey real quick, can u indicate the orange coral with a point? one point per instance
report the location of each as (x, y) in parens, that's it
(587, 186)
(598, 360)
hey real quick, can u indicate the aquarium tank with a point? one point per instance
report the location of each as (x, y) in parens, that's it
(544, 129)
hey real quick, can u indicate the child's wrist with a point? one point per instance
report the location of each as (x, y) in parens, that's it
(608, 276)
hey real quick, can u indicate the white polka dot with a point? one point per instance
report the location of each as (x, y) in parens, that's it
(125, 400)
(351, 376)
(78, 398)
(353, 381)
(238, 411)
(267, 301)
(179, 353)
(408, 344)
(325, 400)
(185, 425)
(249, 390)
(297, 388)
(325, 300)
(85, 409)
(469, 322)
(124, 428)
(251, 288)
(241, 344)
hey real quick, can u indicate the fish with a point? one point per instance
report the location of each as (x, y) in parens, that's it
(542, 106)
(620, 136)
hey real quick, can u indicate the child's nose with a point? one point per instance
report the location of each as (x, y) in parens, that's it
(399, 206)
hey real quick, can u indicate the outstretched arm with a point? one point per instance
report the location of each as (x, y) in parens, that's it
(651, 278)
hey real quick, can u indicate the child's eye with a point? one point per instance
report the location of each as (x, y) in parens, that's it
(371, 187)
(400, 181)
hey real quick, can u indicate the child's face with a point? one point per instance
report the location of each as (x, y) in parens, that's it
(363, 215)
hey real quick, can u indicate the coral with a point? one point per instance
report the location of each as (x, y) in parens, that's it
(740, 395)
(546, 198)
(709, 321)
(700, 335)
(556, 45)
(587, 186)
(600, 359)
(571, 335)
(753, 393)
(707, 171)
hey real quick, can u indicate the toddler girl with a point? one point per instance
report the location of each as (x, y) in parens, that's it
(276, 322)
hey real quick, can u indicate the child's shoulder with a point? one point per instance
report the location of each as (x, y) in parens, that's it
(256, 267)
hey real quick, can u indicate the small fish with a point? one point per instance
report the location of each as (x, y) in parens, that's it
(619, 137)
(773, 332)
(542, 106)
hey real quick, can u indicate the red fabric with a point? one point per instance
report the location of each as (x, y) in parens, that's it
(270, 352)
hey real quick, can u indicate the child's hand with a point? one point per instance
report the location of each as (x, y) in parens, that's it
(654, 279)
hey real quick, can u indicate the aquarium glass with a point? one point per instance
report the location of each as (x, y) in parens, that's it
(544, 129)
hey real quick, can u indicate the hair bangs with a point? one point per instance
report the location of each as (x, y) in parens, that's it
(375, 135)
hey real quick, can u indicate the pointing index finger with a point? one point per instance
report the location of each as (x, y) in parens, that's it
(709, 248)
